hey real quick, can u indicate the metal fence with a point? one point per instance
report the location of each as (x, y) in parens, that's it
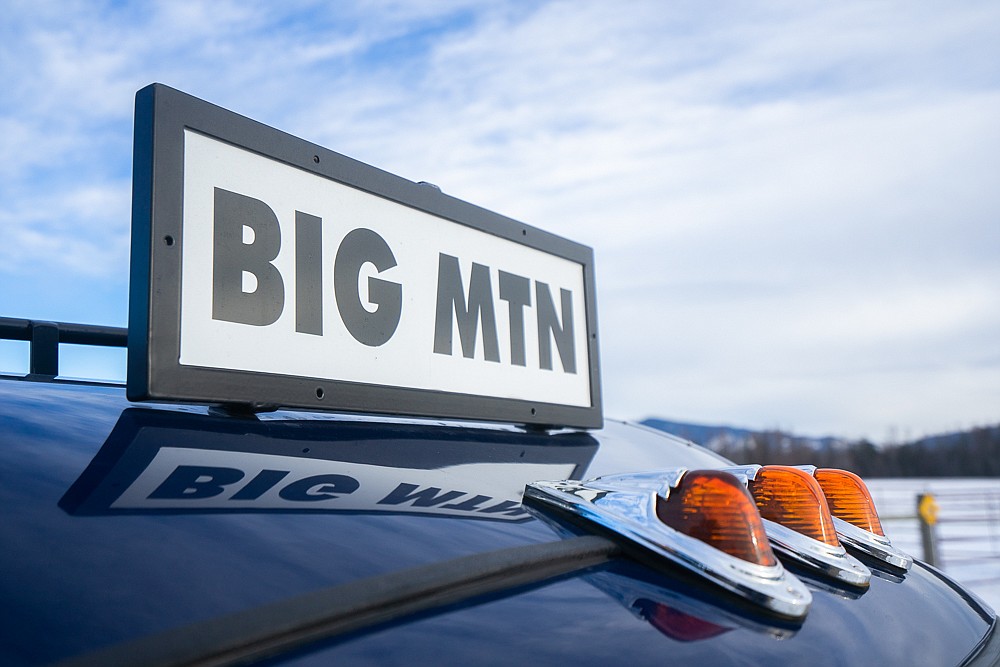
(956, 530)
(965, 534)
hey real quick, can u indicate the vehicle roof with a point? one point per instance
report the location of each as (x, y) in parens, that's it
(80, 573)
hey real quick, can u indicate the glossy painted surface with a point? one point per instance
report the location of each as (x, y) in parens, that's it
(83, 566)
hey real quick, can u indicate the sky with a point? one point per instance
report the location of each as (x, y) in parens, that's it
(794, 206)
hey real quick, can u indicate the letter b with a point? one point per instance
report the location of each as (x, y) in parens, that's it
(232, 257)
(194, 482)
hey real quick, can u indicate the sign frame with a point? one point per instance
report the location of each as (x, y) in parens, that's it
(162, 114)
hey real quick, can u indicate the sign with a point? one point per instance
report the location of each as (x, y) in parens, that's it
(268, 271)
(928, 509)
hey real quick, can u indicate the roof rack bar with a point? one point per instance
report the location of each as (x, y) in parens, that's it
(46, 336)
(12, 328)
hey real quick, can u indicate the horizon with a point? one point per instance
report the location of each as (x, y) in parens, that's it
(898, 437)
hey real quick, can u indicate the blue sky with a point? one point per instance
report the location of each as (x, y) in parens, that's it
(794, 205)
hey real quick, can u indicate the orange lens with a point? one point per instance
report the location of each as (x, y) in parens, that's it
(712, 506)
(794, 499)
(849, 499)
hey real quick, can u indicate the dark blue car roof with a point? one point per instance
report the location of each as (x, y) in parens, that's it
(84, 569)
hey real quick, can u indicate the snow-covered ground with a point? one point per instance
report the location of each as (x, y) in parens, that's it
(968, 527)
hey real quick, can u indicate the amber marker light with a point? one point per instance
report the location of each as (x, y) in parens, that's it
(793, 498)
(712, 506)
(849, 499)
(704, 521)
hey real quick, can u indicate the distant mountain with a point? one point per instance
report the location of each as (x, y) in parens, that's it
(728, 438)
(975, 452)
(697, 433)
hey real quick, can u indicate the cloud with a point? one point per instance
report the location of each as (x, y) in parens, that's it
(793, 206)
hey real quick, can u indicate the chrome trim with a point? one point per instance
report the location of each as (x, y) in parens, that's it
(744, 473)
(626, 505)
(833, 562)
(876, 546)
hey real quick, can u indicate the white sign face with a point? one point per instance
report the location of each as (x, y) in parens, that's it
(287, 272)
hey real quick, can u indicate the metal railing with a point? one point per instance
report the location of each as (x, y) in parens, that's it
(44, 338)
(960, 530)
(955, 530)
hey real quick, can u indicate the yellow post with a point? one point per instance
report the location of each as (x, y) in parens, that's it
(927, 513)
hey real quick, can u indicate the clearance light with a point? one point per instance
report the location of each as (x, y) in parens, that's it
(703, 520)
(798, 521)
(854, 516)
(711, 506)
(849, 499)
(791, 497)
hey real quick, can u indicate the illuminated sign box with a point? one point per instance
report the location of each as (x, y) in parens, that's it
(269, 271)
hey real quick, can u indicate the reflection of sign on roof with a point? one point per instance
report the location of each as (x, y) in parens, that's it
(183, 478)
(269, 270)
(161, 461)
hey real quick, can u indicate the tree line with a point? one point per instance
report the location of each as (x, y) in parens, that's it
(973, 453)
